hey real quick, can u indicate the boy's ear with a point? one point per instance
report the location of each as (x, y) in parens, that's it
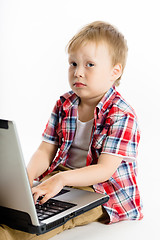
(116, 71)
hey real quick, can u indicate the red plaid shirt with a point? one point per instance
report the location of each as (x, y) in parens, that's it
(115, 131)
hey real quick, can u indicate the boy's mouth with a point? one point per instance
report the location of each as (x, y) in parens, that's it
(79, 84)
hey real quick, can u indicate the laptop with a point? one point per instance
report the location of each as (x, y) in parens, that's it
(17, 208)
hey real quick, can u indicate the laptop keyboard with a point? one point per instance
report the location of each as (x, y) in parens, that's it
(52, 207)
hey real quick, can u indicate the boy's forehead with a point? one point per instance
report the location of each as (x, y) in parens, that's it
(90, 49)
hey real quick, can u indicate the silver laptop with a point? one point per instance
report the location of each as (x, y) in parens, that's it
(17, 208)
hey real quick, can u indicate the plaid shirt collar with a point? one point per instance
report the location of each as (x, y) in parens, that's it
(70, 99)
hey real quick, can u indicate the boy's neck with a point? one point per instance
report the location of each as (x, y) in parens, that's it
(85, 113)
(86, 108)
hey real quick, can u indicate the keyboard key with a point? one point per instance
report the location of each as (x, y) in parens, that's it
(49, 213)
(53, 211)
(57, 208)
(39, 214)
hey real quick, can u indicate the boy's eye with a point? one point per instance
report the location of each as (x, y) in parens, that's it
(74, 64)
(90, 65)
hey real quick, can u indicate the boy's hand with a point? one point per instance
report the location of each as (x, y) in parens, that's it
(47, 189)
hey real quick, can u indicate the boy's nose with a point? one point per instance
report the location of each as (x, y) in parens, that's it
(79, 72)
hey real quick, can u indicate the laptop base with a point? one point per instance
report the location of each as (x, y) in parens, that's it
(20, 221)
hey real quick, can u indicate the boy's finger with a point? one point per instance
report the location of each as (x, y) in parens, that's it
(34, 190)
(36, 194)
(45, 199)
(35, 197)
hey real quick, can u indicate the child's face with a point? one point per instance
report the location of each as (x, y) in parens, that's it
(91, 71)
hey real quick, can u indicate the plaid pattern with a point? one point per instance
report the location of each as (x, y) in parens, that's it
(115, 131)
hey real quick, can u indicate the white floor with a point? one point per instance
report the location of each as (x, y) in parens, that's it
(127, 230)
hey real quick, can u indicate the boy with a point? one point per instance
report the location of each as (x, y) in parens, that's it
(107, 159)
(92, 130)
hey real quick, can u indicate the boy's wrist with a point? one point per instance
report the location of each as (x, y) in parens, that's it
(60, 178)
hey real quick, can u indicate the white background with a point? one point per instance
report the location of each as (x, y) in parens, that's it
(33, 70)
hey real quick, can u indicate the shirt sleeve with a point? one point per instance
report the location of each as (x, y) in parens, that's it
(50, 134)
(122, 138)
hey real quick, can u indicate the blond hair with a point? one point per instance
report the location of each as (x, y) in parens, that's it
(102, 32)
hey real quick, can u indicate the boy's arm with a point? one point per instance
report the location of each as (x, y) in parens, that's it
(93, 174)
(41, 160)
(86, 176)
